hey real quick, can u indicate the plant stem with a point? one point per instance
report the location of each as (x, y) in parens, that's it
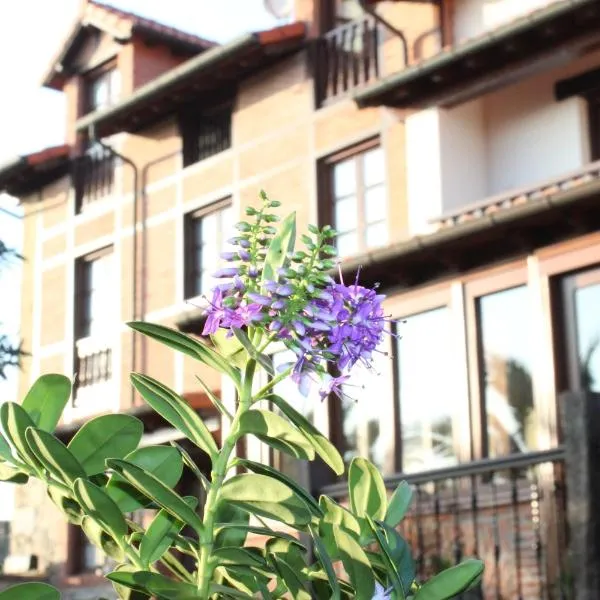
(205, 565)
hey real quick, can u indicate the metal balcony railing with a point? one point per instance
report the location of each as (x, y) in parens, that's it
(93, 176)
(346, 57)
(509, 512)
(93, 368)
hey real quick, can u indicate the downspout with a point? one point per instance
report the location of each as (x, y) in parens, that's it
(371, 11)
(134, 259)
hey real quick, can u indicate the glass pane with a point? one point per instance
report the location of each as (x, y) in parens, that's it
(344, 178)
(504, 319)
(208, 257)
(376, 235)
(346, 215)
(587, 304)
(347, 244)
(209, 228)
(375, 204)
(363, 410)
(205, 282)
(425, 385)
(227, 224)
(374, 167)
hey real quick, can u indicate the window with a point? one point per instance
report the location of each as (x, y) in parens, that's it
(204, 134)
(94, 295)
(354, 199)
(594, 124)
(85, 557)
(505, 356)
(93, 175)
(425, 384)
(205, 235)
(103, 88)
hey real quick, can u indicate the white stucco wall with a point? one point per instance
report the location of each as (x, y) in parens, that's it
(474, 17)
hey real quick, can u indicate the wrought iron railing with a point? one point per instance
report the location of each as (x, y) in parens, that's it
(93, 176)
(93, 367)
(4, 541)
(347, 57)
(510, 512)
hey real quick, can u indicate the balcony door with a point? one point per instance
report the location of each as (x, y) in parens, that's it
(581, 331)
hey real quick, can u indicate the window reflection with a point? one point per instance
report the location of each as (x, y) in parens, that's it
(587, 302)
(504, 321)
(365, 410)
(426, 377)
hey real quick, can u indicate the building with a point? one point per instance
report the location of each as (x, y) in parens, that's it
(452, 143)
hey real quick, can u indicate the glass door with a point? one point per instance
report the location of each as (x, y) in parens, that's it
(581, 315)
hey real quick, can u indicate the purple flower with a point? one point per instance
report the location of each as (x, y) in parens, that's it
(332, 385)
(226, 272)
(259, 299)
(229, 256)
(216, 313)
(284, 290)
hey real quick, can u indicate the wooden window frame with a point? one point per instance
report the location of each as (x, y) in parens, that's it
(83, 263)
(192, 270)
(90, 78)
(593, 109)
(325, 185)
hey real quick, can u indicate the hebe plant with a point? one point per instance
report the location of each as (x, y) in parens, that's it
(271, 293)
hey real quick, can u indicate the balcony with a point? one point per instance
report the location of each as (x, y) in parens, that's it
(401, 66)
(93, 176)
(93, 391)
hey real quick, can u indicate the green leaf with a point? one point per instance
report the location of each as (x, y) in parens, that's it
(97, 536)
(46, 400)
(323, 557)
(227, 592)
(356, 564)
(100, 506)
(15, 422)
(291, 579)
(262, 495)
(388, 559)
(30, 591)
(281, 245)
(277, 433)
(106, 436)
(12, 475)
(261, 359)
(69, 507)
(151, 487)
(54, 455)
(452, 581)
(176, 411)
(159, 585)
(231, 556)
(367, 490)
(268, 471)
(323, 447)
(164, 462)
(213, 397)
(398, 504)
(161, 533)
(401, 555)
(336, 517)
(5, 451)
(231, 536)
(126, 593)
(188, 345)
(232, 532)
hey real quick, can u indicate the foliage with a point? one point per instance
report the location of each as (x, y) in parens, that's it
(245, 542)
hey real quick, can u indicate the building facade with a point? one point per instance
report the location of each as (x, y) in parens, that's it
(452, 144)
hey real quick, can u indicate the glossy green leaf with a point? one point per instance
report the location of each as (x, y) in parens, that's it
(398, 504)
(356, 564)
(323, 447)
(30, 591)
(189, 462)
(164, 462)
(15, 422)
(176, 411)
(54, 455)
(159, 585)
(231, 536)
(366, 489)
(229, 347)
(67, 505)
(261, 359)
(106, 436)
(293, 582)
(246, 580)
(226, 533)
(230, 555)
(96, 503)
(452, 581)
(276, 432)
(281, 245)
(291, 551)
(188, 345)
(336, 516)
(152, 487)
(161, 533)
(126, 593)
(268, 471)
(227, 592)
(388, 560)
(401, 554)
(99, 538)
(213, 397)
(46, 400)
(5, 451)
(12, 475)
(324, 559)
(267, 497)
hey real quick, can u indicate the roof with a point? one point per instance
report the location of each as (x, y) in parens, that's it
(214, 69)
(122, 26)
(23, 174)
(497, 229)
(456, 73)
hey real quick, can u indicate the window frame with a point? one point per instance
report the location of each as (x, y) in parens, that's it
(109, 70)
(593, 111)
(193, 271)
(326, 192)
